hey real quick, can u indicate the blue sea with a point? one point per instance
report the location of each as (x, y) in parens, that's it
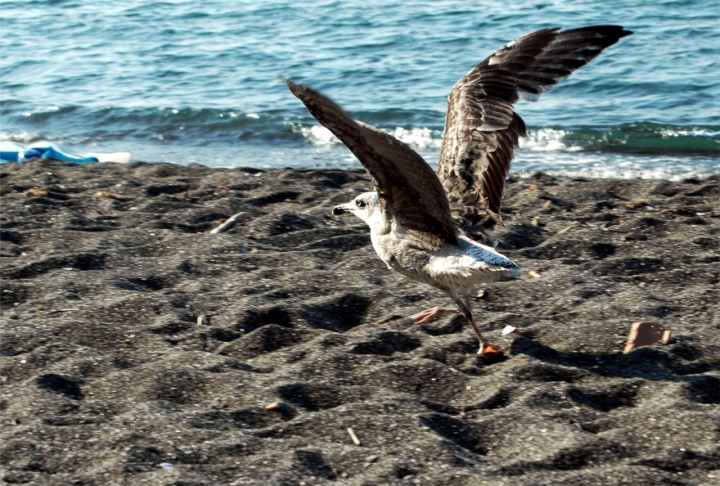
(201, 82)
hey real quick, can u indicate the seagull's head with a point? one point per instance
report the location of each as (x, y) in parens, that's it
(366, 206)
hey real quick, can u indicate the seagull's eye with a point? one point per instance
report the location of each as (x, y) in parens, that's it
(360, 203)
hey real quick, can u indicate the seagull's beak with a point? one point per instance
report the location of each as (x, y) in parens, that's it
(338, 210)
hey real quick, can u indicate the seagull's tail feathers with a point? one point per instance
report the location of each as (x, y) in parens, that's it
(491, 260)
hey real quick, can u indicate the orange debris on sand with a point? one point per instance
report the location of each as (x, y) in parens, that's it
(646, 334)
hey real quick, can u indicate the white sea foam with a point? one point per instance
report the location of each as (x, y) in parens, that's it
(594, 165)
(421, 138)
(543, 140)
(318, 135)
(547, 140)
(544, 150)
(24, 137)
(694, 132)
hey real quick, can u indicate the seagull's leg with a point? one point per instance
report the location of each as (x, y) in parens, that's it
(485, 346)
(428, 314)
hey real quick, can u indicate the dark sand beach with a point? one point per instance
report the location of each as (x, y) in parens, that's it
(137, 348)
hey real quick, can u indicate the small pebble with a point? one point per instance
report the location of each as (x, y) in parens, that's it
(100, 194)
(33, 192)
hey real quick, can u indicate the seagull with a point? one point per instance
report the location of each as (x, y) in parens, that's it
(437, 227)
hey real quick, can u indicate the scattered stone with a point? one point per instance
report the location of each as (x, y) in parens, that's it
(58, 311)
(33, 192)
(635, 203)
(636, 237)
(104, 194)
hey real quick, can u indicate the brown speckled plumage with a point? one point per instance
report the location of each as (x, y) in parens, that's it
(430, 226)
(481, 127)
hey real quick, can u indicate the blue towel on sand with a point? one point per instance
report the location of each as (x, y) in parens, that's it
(18, 152)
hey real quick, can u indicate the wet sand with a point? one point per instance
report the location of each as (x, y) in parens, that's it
(137, 348)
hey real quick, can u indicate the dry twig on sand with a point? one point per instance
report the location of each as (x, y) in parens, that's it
(228, 223)
(354, 438)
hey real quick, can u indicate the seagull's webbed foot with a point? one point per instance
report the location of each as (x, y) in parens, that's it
(428, 314)
(486, 349)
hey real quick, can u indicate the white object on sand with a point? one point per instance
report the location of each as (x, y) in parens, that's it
(228, 223)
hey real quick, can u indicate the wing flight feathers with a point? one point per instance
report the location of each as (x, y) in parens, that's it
(481, 126)
(408, 188)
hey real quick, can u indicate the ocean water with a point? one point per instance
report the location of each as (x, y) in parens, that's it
(201, 82)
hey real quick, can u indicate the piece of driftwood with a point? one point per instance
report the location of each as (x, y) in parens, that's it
(389, 318)
(228, 223)
(57, 311)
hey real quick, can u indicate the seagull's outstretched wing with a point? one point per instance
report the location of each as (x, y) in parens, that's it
(481, 128)
(409, 190)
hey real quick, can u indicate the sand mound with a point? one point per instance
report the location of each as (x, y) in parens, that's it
(137, 348)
